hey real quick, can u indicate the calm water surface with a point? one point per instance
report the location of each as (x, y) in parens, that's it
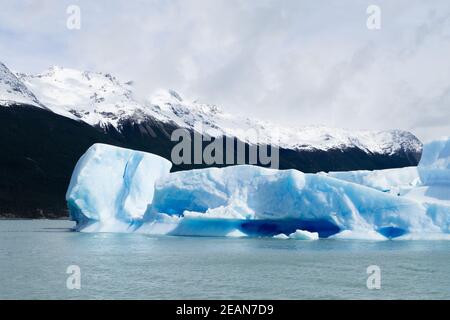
(35, 254)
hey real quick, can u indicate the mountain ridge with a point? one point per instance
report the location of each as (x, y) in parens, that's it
(13, 90)
(48, 121)
(100, 99)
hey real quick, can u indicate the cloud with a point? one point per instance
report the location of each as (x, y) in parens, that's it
(293, 62)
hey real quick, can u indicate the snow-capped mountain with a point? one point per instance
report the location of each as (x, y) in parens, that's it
(48, 120)
(12, 90)
(100, 99)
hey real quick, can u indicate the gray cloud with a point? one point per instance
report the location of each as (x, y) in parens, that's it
(293, 62)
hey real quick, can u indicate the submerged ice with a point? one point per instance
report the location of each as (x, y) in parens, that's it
(120, 190)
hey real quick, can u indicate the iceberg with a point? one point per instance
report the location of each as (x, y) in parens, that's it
(267, 202)
(119, 190)
(304, 235)
(433, 170)
(113, 186)
(394, 181)
(434, 166)
(428, 184)
(281, 236)
(298, 235)
(434, 191)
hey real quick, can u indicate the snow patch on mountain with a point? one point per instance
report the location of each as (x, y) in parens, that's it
(215, 122)
(100, 99)
(13, 91)
(95, 98)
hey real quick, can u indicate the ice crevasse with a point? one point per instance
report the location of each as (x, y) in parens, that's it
(120, 190)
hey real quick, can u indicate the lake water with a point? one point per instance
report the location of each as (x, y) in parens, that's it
(35, 254)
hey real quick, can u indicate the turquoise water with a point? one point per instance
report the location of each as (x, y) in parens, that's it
(35, 254)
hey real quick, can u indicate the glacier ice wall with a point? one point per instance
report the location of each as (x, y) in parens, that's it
(119, 190)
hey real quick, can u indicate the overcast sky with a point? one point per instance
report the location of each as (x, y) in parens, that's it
(289, 61)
